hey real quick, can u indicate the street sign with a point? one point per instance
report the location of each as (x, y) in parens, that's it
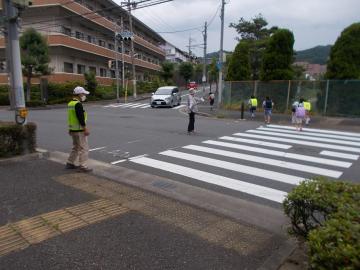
(204, 79)
(218, 65)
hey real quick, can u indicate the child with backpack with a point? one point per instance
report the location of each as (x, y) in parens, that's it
(300, 114)
(268, 104)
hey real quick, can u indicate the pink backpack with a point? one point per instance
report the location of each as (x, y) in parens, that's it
(300, 112)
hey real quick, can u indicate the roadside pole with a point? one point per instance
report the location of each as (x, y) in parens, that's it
(132, 51)
(204, 62)
(123, 60)
(221, 53)
(117, 65)
(14, 69)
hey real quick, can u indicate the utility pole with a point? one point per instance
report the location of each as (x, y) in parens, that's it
(204, 67)
(122, 58)
(132, 49)
(221, 53)
(117, 64)
(14, 61)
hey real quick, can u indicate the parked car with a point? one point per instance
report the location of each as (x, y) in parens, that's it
(192, 85)
(166, 96)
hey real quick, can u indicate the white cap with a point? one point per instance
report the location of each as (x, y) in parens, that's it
(80, 90)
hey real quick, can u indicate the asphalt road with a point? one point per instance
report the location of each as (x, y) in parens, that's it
(153, 141)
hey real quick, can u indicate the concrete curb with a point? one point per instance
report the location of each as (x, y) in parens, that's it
(26, 157)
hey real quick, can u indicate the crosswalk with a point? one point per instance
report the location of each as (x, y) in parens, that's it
(132, 105)
(252, 163)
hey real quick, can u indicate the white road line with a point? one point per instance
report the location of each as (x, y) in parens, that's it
(120, 105)
(118, 161)
(267, 161)
(310, 134)
(339, 155)
(324, 161)
(319, 130)
(281, 177)
(109, 106)
(262, 143)
(137, 106)
(136, 157)
(134, 105)
(178, 107)
(301, 142)
(230, 183)
(145, 106)
(95, 149)
(302, 137)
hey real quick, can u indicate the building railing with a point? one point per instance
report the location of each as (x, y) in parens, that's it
(327, 97)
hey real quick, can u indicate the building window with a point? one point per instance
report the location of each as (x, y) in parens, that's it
(102, 72)
(111, 46)
(90, 39)
(92, 70)
(101, 43)
(112, 73)
(66, 31)
(68, 67)
(80, 69)
(119, 49)
(79, 35)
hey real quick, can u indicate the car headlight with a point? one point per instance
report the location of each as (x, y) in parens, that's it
(167, 99)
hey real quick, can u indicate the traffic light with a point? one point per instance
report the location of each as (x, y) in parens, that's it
(3, 66)
(125, 36)
(22, 3)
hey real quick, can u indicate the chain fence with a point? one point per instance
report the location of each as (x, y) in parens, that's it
(327, 97)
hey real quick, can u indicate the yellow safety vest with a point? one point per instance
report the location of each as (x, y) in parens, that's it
(73, 121)
(254, 102)
(307, 106)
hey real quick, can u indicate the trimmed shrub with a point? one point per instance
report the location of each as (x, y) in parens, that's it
(336, 245)
(311, 203)
(35, 103)
(17, 139)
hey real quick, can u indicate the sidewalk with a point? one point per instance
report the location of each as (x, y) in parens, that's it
(52, 218)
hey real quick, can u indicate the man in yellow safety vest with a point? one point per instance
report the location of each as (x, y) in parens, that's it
(78, 130)
(253, 105)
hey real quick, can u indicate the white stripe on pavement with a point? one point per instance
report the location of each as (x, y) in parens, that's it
(178, 107)
(95, 149)
(262, 143)
(302, 137)
(319, 130)
(140, 105)
(310, 134)
(267, 161)
(281, 177)
(145, 106)
(118, 161)
(134, 105)
(109, 106)
(252, 189)
(324, 161)
(301, 142)
(339, 155)
(122, 105)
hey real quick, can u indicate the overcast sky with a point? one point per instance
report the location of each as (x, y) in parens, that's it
(313, 22)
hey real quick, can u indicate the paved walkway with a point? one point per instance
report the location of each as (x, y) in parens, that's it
(52, 218)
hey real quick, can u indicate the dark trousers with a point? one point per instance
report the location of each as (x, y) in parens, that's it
(191, 121)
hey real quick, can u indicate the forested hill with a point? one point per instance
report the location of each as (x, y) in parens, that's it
(316, 55)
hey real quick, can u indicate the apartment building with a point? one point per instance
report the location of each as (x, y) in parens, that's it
(174, 54)
(80, 35)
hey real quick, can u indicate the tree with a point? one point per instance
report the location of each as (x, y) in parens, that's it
(186, 70)
(213, 73)
(34, 56)
(198, 72)
(278, 57)
(256, 33)
(239, 65)
(167, 71)
(344, 62)
(90, 81)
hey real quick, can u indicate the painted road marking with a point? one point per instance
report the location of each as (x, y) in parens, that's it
(262, 143)
(234, 184)
(324, 161)
(319, 130)
(304, 137)
(145, 106)
(310, 134)
(178, 107)
(301, 142)
(339, 155)
(95, 149)
(281, 177)
(118, 161)
(267, 161)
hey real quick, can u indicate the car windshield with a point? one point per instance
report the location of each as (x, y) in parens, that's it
(163, 91)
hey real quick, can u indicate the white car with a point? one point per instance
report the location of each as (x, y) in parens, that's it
(166, 96)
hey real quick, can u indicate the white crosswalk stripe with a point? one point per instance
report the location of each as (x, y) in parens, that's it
(132, 105)
(240, 164)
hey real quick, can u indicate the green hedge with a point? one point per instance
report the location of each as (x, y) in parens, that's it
(17, 139)
(327, 214)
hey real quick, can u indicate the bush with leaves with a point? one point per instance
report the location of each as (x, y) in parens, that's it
(312, 203)
(336, 245)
